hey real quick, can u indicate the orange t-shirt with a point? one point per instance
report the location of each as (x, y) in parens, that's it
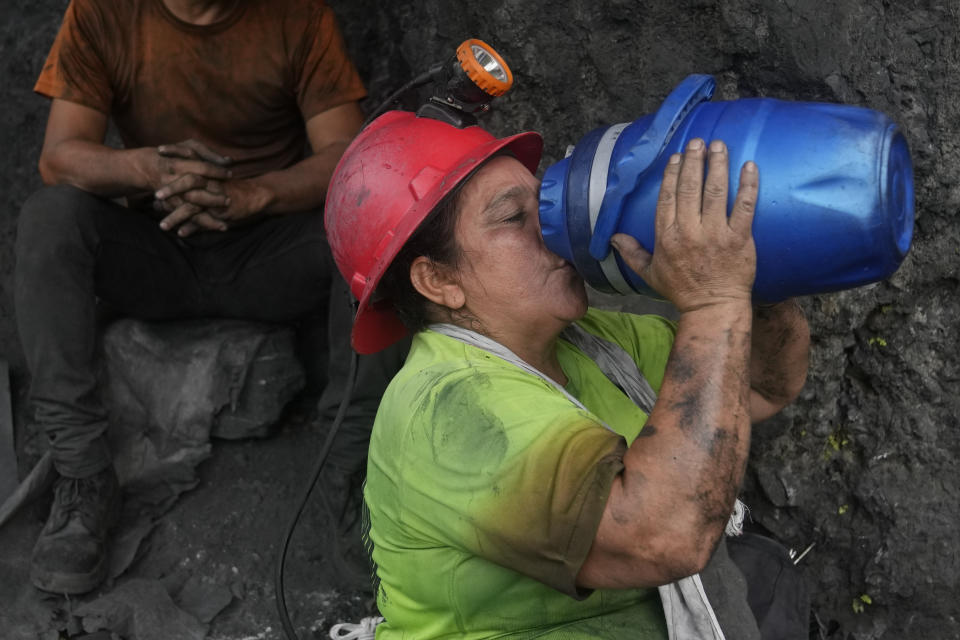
(244, 86)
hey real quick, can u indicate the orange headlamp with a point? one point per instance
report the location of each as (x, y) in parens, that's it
(484, 67)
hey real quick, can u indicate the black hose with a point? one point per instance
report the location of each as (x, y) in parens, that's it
(324, 453)
(419, 81)
(291, 633)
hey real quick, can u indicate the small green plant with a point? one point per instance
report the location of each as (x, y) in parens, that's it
(843, 509)
(858, 603)
(877, 341)
(835, 442)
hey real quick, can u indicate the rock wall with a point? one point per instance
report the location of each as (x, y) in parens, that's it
(26, 32)
(864, 464)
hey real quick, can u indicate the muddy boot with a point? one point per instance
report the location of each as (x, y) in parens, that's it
(71, 553)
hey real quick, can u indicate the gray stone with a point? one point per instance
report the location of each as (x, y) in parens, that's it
(171, 386)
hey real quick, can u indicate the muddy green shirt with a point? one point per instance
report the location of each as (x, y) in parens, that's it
(485, 487)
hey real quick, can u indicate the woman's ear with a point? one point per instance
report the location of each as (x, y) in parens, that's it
(436, 283)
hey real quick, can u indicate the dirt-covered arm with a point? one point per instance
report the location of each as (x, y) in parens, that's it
(779, 357)
(74, 153)
(668, 507)
(303, 186)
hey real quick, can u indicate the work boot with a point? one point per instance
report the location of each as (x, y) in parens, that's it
(71, 553)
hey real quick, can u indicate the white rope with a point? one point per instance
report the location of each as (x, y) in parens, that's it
(366, 629)
(735, 523)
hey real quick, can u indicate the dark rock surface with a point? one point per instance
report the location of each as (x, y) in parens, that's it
(865, 463)
(171, 386)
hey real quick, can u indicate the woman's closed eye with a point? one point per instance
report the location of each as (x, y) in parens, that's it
(517, 216)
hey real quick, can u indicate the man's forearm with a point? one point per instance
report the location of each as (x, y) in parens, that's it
(301, 187)
(779, 352)
(96, 168)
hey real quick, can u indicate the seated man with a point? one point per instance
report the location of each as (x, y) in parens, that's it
(216, 102)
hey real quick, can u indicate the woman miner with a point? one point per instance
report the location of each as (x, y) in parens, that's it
(539, 468)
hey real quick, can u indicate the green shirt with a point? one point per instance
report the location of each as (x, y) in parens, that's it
(486, 485)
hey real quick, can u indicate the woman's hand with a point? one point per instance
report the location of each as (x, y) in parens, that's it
(701, 257)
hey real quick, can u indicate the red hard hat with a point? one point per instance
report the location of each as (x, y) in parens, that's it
(389, 179)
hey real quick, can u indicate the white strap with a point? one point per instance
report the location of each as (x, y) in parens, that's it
(366, 629)
(687, 610)
(468, 336)
(616, 364)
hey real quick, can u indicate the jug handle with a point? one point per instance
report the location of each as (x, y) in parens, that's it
(623, 179)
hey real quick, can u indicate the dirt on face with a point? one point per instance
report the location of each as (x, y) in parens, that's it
(864, 465)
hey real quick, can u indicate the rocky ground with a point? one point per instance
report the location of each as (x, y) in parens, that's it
(215, 554)
(864, 465)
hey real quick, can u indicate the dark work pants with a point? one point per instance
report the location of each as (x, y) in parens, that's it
(75, 250)
(373, 373)
(726, 589)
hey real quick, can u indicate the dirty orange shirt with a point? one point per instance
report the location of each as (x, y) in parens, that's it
(244, 86)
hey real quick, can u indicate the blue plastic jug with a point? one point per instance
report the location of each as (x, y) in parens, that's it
(834, 211)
